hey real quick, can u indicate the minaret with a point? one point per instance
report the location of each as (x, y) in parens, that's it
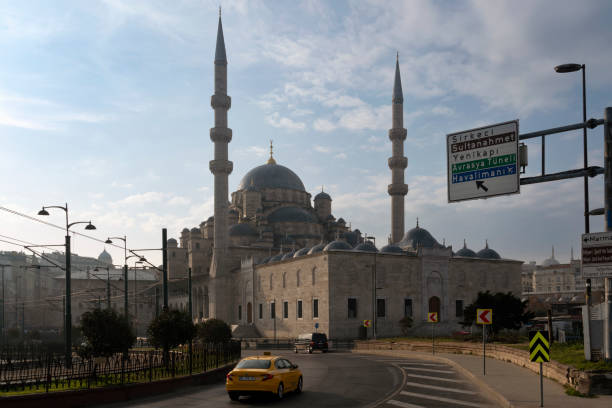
(220, 167)
(397, 162)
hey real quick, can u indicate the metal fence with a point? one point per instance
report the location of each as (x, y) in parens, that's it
(289, 344)
(37, 371)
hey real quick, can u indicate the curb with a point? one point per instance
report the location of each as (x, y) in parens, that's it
(484, 387)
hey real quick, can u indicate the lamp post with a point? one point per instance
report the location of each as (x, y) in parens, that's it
(136, 294)
(108, 291)
(3, 304)
(125, 270)
(564, 68)
(68, 311)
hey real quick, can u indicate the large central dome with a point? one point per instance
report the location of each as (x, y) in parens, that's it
(271, 175)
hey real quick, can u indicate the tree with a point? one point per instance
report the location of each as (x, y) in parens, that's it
(509, 312)
(171, 328)
(105, 333)
(405, 324)
(214, 331)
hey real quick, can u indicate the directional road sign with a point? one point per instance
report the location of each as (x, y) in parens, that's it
(432, 317)
(367, 323)
(484, 316)
(597, 255)
(483, 162)
(539, 347)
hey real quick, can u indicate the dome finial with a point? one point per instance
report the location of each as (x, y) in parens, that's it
(219, 11)
(271, 159)
(464, 244)
(417, 222)
(487, 243)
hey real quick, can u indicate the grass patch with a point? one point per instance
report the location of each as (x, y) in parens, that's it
(575, 393)
(571, 354)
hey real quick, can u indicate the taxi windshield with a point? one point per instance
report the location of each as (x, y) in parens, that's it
(254, 364)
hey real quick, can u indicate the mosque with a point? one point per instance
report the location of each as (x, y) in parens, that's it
(275, 262)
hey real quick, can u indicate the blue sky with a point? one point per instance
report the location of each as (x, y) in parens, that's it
(106, 105)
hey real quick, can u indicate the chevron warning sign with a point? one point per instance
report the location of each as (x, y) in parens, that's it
(539, 347)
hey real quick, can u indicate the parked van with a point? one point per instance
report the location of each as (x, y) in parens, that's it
(310, 342)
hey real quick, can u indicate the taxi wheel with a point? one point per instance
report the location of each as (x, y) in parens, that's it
(234, 396)
(299, 386)
(280, 391)
(309, 350)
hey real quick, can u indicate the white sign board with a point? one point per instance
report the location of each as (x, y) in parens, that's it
(597, 255)
(483, 162)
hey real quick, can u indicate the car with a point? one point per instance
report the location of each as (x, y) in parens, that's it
(265, 374)
(311, 341)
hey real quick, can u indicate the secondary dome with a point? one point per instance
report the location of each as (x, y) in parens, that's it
(466, 252)
(271, 175)
(419, 237)
(242, 230)
(338, 246)
(291, 214)
(105, 258)
(301, 252)
(316, 249)
(488, 253)
(366, 246)
(322, 195)
(551, 261)
(391, 249)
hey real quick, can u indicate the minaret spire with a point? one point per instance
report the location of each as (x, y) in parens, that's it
(397, 162)
(220, 167)
(271, 159)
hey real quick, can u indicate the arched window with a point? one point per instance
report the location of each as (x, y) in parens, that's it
(297, 279)
(434, 305)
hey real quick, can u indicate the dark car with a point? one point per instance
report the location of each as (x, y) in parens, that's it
(310, 342)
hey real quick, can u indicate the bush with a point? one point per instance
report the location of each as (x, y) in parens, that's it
(171, 328)
(105, 333)
(214, 331)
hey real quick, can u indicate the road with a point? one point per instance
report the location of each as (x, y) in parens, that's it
(344, 380)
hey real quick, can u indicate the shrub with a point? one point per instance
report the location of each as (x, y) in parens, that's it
(171, 328)
(105, 333)
(214, 331)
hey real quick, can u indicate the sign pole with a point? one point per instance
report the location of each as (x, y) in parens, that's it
(433, 342)
(541, 387)
(484, 351)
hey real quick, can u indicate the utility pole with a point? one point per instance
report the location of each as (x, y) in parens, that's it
(608, 219)
(165, 266)
(67, 304)
(191, 321)
(3, 316)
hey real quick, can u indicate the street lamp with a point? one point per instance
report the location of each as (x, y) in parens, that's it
(68, 312)
(141, 261)
(125, 270)
(562, 69)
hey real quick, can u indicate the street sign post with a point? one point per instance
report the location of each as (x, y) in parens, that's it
(597, 255)
(483, 162)
(432, 317)
(484, 317)
(539, 352)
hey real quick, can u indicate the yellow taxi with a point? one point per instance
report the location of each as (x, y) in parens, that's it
(263, 374)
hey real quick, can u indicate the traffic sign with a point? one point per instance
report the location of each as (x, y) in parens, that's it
(483, 162)
(367, 323)
(432, 317)
(597, 255)
(484, 316)
(316, 325)
(539, 347)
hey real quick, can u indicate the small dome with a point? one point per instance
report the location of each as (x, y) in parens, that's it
(465, 252)
(337, 246)
(487, 253)
(341, 221)
(105, 258)
(185, 230)
(551, 261)
(264, 261)
(172, 243)
(419, 237)
(366, 246)
(276, 258)
(391, 249)
(271, 175)
(242, 230)
(330, 217)
(316, 249)
(211, 219)
(288, 255)
(301, 252)
(291, 214)
(195, 230)
(322, 196)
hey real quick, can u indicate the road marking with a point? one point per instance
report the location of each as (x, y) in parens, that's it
(428, 364)
(441, 399)
(430, 370)
(427, 377)
(435, 387)
(403, 404)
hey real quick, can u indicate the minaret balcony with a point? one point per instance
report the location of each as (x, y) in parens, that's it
(397, 189)
(221, 135)
(220, 166)
(220, 101)
(398, 162)
(397, 134)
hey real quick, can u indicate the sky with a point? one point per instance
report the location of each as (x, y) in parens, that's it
(105, 105)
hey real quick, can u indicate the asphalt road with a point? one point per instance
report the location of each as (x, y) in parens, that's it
(343, 380)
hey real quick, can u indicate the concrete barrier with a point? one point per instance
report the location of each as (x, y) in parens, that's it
(105, 395)
(587, 382)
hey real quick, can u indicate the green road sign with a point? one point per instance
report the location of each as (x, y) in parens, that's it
(539, 347)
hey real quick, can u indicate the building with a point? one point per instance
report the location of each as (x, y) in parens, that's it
(274, 264)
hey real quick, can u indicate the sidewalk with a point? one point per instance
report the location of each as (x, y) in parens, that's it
(511, 385)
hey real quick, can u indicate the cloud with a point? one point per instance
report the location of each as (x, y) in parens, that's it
(322, 149)
(323, 125)
(143, 198)
(340, 156)
(286, 123)
(178, 200)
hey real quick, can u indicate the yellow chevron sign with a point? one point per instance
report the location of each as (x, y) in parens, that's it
(539, 347)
